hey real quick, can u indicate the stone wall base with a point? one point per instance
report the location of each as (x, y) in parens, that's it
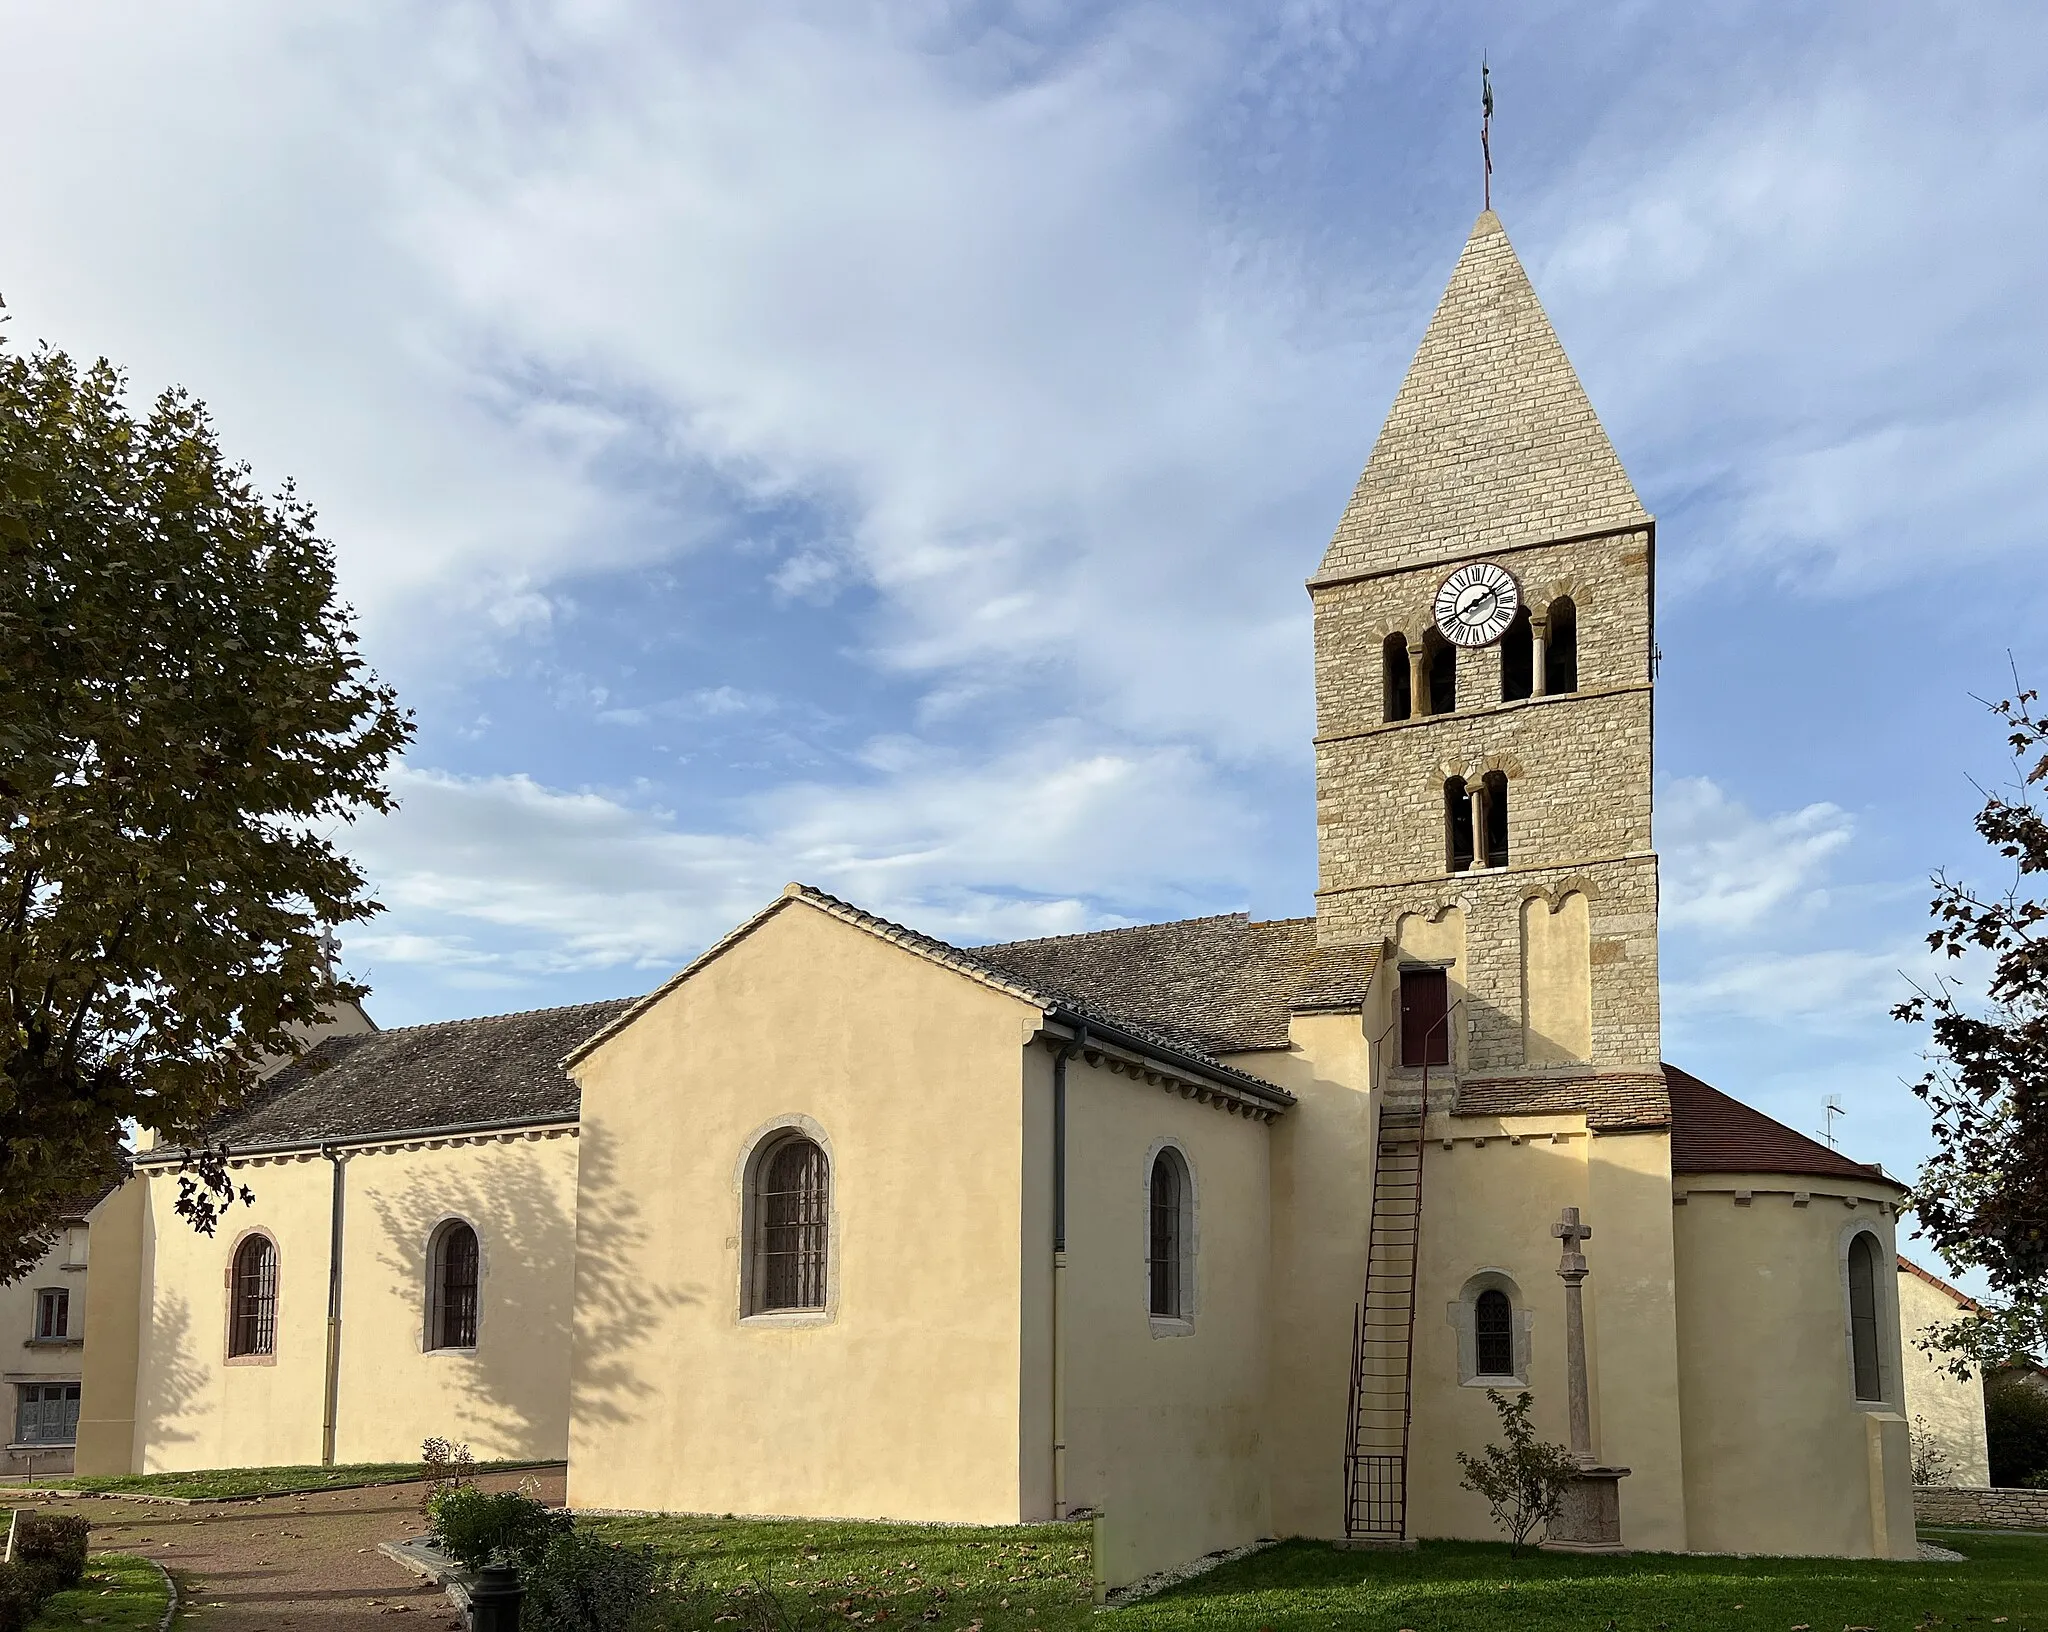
(2000, 1509)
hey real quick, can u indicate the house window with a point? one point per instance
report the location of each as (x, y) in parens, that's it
(1863, 1323)
(452, 1292)
(792, 1209)
(1167, 1236)
(1561, 650)
(53, 1314)
(1493, 1333)
(1518, 659)
(1425, 1022)
(1396, 680)
(46, 1414)
(252, 1298)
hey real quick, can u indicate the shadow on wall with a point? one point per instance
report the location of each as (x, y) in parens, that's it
(173, 1390)
(528, 1242)
(617, 1302)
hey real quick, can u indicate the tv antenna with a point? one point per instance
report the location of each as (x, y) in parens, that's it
(1830, 1108)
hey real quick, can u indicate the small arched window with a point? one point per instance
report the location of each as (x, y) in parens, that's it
(1394, 658)
(1166, 1239)
(252, 1298)
(1457, 825)
(1443, 676)
(1494, 789)
(792, 1210)
(1561, 648)
(1863, 1318)
(453, 1281)
(1518, 659)
(1493, 1334)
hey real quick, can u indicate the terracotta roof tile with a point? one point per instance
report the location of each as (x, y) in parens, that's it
(1610, 1100)
(1712, 1133)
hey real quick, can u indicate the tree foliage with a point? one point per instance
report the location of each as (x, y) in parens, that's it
(1983, 1196)
(1522, 1482)
(2016, 1425)
(184, 721)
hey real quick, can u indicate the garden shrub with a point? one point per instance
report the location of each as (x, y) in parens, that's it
(23, 1587)
(474, 1526)
(54, 1542)
(2016, 1426)
(582, 1583)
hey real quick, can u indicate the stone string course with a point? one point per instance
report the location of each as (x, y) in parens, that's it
(1996, 1509)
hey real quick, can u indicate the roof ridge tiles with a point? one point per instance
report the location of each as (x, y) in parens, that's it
(465, 1020)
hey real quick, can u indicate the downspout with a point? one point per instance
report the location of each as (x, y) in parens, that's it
(331, 1393)
(1059, 1266)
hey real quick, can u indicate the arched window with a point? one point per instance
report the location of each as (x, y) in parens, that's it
(792, 1212)
(1493, 1334)
(1561, 648)
(1443, 676)
(1457, 825)
(1167, 1236)
(1394, 655)
(1518, 659)
(452, 1285)
(252, 1298)
(1495, 792)
(1863, 1327)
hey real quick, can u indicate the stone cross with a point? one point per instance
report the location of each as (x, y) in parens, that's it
(1571, 1235)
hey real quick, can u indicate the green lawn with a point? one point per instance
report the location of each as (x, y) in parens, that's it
(1039, 1577)
(117, 1592)
(215, 1483)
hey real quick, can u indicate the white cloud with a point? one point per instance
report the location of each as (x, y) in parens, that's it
(1726, 870)
(1841, 990)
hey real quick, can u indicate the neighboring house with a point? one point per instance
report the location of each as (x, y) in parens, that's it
(1217, 1228)
(1947, 1409)
(42, 1334)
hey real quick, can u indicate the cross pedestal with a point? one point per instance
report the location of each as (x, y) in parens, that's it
(1589, 1519)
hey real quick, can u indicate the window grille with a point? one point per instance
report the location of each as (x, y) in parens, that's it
(1165, 1242)
(455, 1285)
(1863, 1343)
(46, 1414)
(252, 1311)
(794, 1208)
(53, 1313)
(1425, 1033)
(1493, 1334)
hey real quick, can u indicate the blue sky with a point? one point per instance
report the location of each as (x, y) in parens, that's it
(883, 446)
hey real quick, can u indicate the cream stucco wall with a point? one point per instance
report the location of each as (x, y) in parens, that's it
(1489, 1202)
(1164, 1420)
(113, 1333)
(29, 1359)
(508, 1398)
(1780, 1457)
(907, 1400)
(1950, 1409)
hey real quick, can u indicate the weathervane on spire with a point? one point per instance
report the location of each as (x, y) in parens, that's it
(1486, 125)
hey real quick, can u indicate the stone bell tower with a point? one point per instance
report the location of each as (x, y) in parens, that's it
(1485, 807)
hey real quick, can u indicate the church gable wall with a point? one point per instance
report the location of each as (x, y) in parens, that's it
(506, 1397)
(901, 1398)
(1164, 1418)
(1950, 1410)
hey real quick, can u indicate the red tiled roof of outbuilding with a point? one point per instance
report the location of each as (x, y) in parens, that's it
(1714, 1133)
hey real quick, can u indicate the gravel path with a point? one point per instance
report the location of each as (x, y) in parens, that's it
(309, 1561)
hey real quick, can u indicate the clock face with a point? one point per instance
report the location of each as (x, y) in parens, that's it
(1475, 605)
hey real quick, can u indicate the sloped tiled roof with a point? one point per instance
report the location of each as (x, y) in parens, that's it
(1491, 441)
(1224, 983)
(1610, 1100)
(501, 1068)
(1713, 1133)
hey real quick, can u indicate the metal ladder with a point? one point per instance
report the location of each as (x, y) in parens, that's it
(1382, 1341)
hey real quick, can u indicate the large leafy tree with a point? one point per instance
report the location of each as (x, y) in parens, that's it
(184, 723)
(1983, 1197)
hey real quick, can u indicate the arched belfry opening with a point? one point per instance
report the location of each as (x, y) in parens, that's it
(1398, 689)
(1561, 647)
(1457, 825)
(1490, 840)
(1518, 659)
(1443, 674)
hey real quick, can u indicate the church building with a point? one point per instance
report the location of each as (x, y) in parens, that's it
(1214, 1230)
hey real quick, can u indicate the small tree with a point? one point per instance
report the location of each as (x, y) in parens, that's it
(1523, 1482)
(1931, 1463)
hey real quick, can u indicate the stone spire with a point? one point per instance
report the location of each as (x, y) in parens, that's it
(1491, 441)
